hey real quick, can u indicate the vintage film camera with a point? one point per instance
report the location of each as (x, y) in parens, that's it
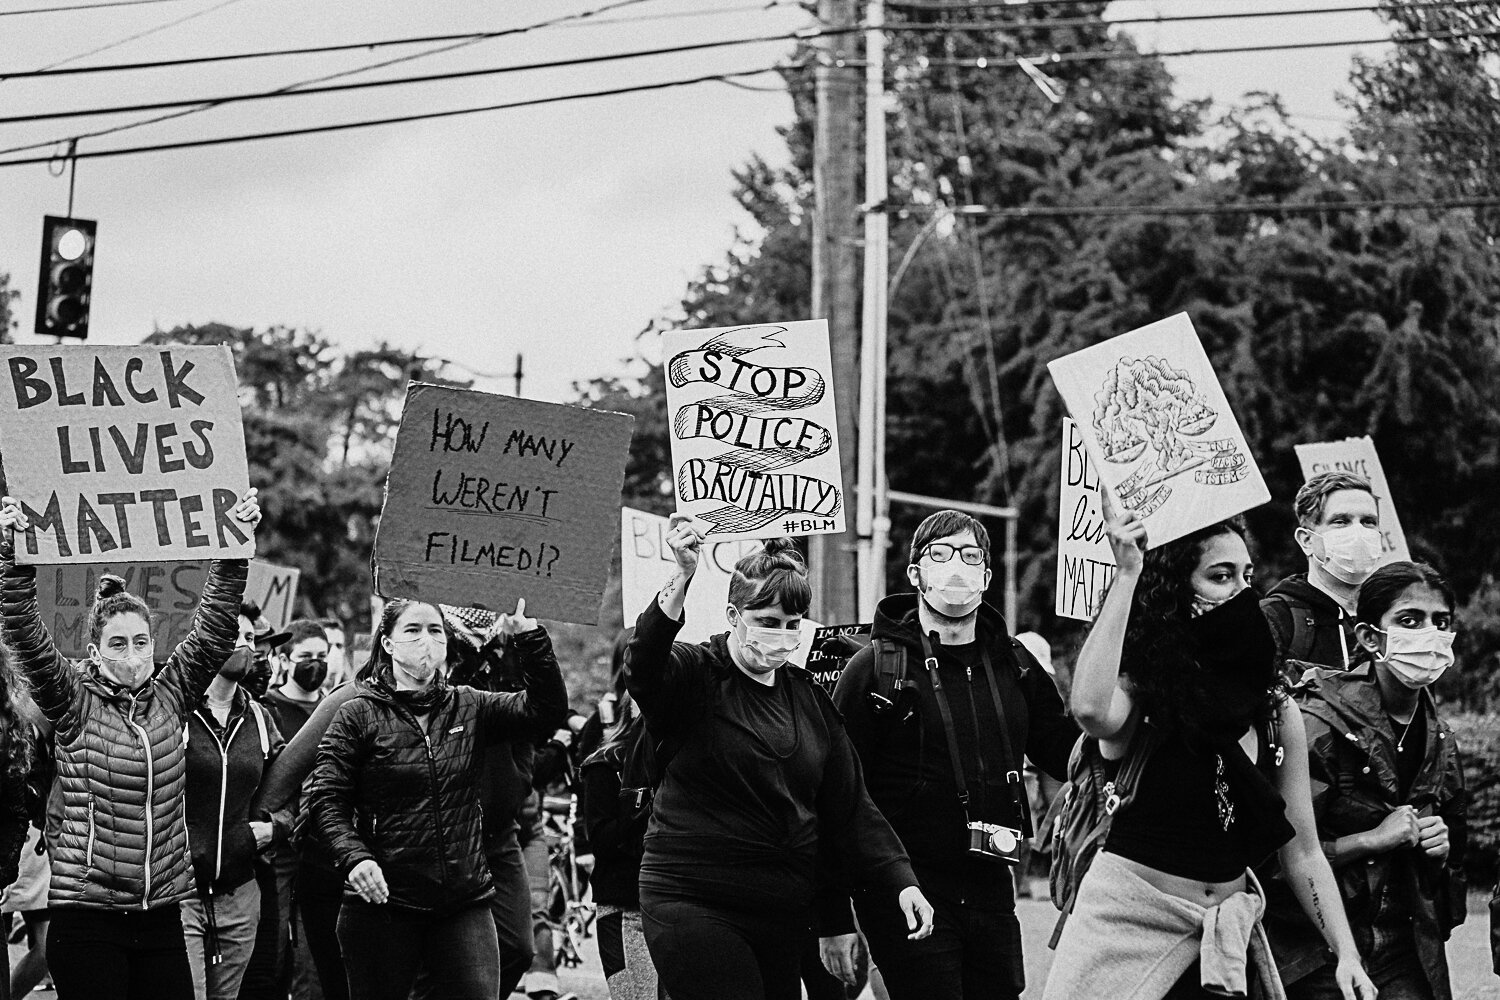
(1002, 843)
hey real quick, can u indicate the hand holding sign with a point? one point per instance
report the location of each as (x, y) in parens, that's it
(1127, 534)
(686, 543)
(248, 509)
(12, 517)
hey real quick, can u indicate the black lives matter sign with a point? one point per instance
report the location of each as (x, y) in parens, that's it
(131, 454)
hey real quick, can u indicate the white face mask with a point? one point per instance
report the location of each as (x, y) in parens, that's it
(768, 648)
(419, 657)
(953, 589)
(1350, 554)
(1417, 656)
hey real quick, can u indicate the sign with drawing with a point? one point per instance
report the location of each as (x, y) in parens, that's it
(755, 451)
(1157, 424)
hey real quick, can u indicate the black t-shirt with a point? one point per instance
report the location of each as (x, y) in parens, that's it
(1411, 746)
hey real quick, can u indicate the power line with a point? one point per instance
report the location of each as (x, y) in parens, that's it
(395, 120)
(136, 37)
(73, 140)
(1229, 208)
(82, 6)
(1123, 55)
(980, 4)
(263, 54)
(426, 78)
(1086, 22)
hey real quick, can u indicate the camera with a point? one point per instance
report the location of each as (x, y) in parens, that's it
(995, 841)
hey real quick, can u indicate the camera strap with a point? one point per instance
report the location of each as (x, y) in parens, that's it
(1012, 774)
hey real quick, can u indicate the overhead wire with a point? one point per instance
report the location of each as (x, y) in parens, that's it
(158, 29)
(209, 104)
(425, 78)
(1227, 208)
(82, 6)
(394, 119)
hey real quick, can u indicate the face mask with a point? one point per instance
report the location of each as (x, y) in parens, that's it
(1350, 554)
(1202, 605)
(954, 589)
(768, 648)
(128, 671)
(239, 664)
(310, 674)
(1417, 656)
(419, 658)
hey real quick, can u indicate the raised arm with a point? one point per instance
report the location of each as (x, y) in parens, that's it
(542, 706)
(55, 685)
(198, 657)
(668, 683)
(1100, 705)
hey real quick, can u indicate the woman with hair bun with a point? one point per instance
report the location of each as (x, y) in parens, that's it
(759, 791)
(120, 859)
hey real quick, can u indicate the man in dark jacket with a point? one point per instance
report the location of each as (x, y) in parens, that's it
(1338, 528)
(941, 679)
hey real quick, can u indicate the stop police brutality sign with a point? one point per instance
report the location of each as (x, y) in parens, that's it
(129, 454)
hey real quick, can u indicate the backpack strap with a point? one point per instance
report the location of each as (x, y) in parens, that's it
(890, 667)
(1299, 645)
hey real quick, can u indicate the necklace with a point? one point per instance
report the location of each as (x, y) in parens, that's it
(1221, 795)
(1401, 743)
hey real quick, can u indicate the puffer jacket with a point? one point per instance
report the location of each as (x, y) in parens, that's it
(121, 768)
(1355, 785)
(385, 788)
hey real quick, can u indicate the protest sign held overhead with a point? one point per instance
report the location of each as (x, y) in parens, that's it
(124, 453)
(1357, 455)
(1159, 428)
(755, 451)
(646, 564)
(1085, 562)
(493, 498)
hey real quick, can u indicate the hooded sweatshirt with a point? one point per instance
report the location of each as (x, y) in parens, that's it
(1332, 627)
(907, 764)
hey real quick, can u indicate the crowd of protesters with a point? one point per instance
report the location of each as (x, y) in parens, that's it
(254, 815)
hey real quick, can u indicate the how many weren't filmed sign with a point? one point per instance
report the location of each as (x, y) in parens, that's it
(133, 454)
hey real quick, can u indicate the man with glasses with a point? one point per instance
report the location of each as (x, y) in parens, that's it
(942, 707)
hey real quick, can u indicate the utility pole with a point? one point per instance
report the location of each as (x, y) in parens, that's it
(519, 375)
(834, 275)
(873, 524)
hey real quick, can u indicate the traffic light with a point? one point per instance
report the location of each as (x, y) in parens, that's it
(67, 278)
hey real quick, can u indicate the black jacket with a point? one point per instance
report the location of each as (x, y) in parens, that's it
(616, 831)
(908, 767)
(224, 769)
(385, 788)
(505, 777)
(1330, 626)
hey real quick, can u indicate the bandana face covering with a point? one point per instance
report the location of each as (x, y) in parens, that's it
(1234, 647)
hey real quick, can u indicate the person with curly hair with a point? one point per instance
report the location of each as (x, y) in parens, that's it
(1181, 666)
(1388, 794)
(120, 859)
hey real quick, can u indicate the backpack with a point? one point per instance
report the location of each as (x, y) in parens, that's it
(1078, 821)
(642, 766)
(1299, 646)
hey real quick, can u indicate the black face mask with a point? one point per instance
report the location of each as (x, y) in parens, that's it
(310, 674)
(1236, 651)
(259, 678)
(239, 664)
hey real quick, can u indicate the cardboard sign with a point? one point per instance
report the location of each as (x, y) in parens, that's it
(754, 429)
(1357, 455)
(646, 564)
(1159, 428)
(492, 498)
(274, 589)
(128, 453)
(1085, 562)
(65, 593)
(832, 648)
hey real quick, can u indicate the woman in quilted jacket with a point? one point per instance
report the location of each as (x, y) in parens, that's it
(120, 863)
(394, 797)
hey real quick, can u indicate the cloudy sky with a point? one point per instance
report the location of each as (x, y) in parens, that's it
(556, 231)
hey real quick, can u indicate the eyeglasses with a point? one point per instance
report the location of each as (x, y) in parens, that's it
(941, 552)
